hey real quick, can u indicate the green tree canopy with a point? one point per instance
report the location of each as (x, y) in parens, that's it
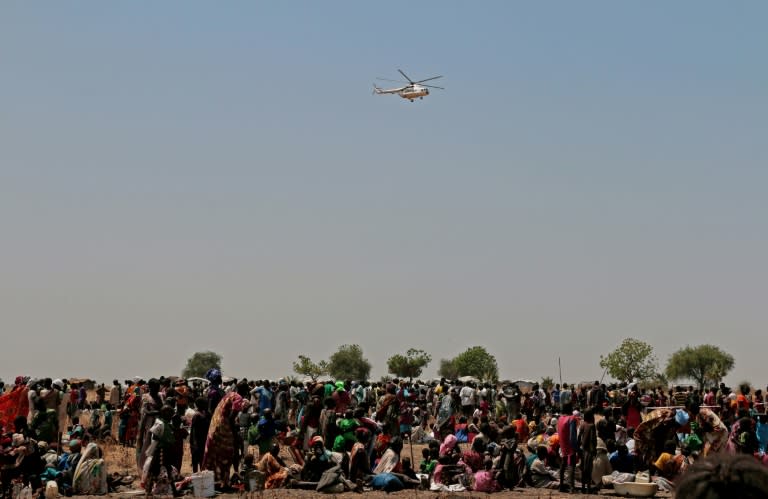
(409, 365)
(200, 362)
(632, 360)
(306, 367)
(703, 364)
(447, 369)
(348, 363)
(474, 361)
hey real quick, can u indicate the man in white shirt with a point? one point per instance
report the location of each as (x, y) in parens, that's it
(467, 395)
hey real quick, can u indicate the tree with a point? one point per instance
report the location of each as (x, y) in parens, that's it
(547, 383)
(348, 363)
(703, 364)
(200, 362)
(409, 365)
(632, 360)
(306, 367)
(474, 361)
(447, 369)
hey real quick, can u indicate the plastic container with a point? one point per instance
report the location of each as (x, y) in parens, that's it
(203, 484)
(254, 481)
(635, 489)
(51, 489)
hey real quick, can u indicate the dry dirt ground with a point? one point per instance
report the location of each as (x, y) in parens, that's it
(122, 459)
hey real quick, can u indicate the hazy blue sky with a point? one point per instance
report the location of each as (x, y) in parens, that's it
(182, 176)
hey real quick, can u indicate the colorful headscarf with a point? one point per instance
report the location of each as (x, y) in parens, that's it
(213, 375)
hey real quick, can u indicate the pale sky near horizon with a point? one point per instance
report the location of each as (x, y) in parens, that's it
(186, 176)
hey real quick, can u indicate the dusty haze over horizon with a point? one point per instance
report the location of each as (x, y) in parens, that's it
(178, 177)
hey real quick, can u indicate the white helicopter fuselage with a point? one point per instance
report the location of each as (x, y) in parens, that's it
(409, 92)
(413, 91)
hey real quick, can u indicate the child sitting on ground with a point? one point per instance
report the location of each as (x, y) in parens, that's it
(427, 462)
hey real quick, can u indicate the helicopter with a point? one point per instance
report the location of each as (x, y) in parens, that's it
(411, 91)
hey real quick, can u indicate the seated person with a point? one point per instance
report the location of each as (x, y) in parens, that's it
(542, 476)
(408, 468)
(473, 457)
(359, 463)
(318, 460)
(390, 460)
(622, 460)
(273, 468)
(666, 465)
(485, 479)
(428, 463)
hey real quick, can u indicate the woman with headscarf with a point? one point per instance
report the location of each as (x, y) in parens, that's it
(90, 477)
(713, 431)
(342, 397)
(659, 426)
(150, 408)
(220, 446)
(390, 460)
(359, 463)
(214, 393)
(448, 445)
(273, 467)
(128, 427)
(449, 405)
(388, 412)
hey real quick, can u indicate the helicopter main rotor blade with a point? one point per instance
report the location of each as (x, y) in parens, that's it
(433, 78)
(431, 86)
(396, 81)
(406, 76)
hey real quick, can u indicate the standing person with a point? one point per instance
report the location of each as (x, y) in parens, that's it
(33, 397)
(567, 434)
(214, 392)
(588, 444)
(342, 397)
(115, 393)
(161, 450)
(183, 394)
(267, 431)
(129, 418)
(101, 392)
(220, 445)
(388, 413)
(514, 401)
(201, 421)
(566, 397)
(150, 408)
(82, 397)
(282, 401)
(467, 395)
(710, 400)
(758, 402)
(60, 386)
(632, 410)
(555, 395)
(310, 422)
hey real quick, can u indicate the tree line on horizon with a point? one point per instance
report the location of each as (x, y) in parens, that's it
(632, 361)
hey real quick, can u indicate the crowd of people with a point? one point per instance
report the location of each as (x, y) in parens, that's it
(345, 435)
